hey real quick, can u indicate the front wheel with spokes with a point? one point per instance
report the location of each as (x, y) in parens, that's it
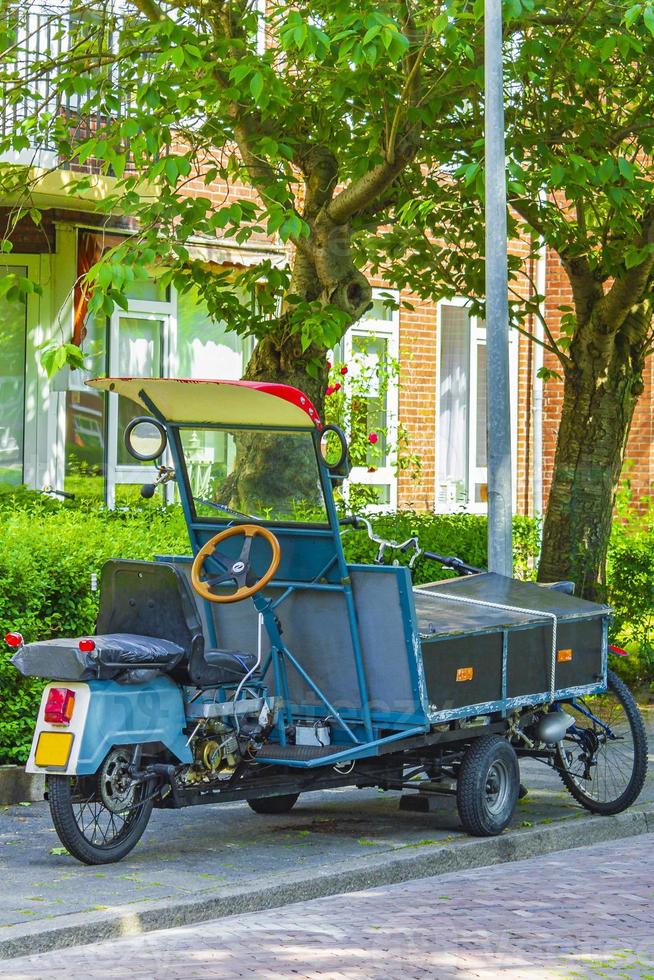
(603, 758)
(100, 818)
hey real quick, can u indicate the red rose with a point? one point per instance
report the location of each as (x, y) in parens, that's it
(330, 390)
(373, 438)
(344, 369)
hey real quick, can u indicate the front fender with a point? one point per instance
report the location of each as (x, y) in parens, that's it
(107, 713)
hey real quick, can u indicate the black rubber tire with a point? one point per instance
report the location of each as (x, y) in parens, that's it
(639, 772)
(60, 792)
(274, 804)
(483, 759)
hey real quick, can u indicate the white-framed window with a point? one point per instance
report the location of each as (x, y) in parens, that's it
(260, 7)
(161, 334)
(19, 375)
(374, 340)
(461, 459)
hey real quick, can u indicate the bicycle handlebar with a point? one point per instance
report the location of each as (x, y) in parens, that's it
(456, 564)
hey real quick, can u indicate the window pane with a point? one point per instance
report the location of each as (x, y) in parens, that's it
(378, 494)
(139, 355)
(205, 347)
(481, 406)
(453, 405)
(368, 373)
(148, 290)
(85, 417)
(379, 310)
(13, 328)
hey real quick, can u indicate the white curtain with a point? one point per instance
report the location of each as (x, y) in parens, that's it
(454, 398)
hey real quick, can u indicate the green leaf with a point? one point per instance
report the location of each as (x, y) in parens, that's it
(632, 14)
(371, 34)
(171, 170)
(626, 169)
(256, 86)
(648, 19)
(240, 72)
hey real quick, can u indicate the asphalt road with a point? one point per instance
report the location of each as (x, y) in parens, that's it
(585, 913)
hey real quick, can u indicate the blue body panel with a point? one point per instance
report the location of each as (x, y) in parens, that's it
(126, 714)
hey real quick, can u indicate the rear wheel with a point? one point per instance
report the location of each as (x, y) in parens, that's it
(100, 818)
(603, 758)
(274, 804)
(487, 786)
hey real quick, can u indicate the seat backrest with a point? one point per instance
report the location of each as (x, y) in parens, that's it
(150, 598)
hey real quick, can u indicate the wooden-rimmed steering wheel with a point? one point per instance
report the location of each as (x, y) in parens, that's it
(233, 570)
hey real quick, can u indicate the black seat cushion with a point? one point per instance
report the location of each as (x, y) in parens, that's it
(231, 664)
(136, 650)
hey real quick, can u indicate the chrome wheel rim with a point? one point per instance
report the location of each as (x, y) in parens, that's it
(498, 787)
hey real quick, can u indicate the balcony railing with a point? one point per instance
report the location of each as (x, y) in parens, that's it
(43, 35)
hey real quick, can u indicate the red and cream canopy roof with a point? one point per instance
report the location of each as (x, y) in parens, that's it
(224, 402)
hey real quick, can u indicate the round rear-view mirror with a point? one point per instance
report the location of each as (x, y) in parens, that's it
(145, 439)
(333, 448)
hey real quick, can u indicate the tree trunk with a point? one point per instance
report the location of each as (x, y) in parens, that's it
(267, 468)
(600, 394)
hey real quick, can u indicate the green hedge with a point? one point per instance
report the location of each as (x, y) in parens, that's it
(51, 549)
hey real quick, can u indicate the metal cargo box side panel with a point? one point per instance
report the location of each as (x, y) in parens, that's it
(463, 670)
(580, 646)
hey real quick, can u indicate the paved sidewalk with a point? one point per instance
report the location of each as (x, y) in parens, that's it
(586, 913)
(216, 848)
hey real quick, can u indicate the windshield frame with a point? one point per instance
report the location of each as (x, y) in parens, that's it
(223, 519)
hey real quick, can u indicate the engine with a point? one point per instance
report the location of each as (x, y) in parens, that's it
(216, 752)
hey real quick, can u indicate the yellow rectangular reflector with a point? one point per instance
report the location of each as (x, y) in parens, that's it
(53, 749)
(464, 674)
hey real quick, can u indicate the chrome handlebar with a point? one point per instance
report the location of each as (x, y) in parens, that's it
(384, 545)
(456, 564)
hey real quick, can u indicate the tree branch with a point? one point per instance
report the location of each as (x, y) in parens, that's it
(151, 10)
(400, 150)
(630, 288)
(541, 343)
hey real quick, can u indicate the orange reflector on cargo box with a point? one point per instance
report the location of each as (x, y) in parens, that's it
(563, 656)
(464, 674)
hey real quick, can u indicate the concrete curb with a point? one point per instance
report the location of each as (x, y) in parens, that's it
(391, 867)
(18, 786)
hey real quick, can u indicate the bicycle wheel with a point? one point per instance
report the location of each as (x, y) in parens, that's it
(603, 758)
(100, 818)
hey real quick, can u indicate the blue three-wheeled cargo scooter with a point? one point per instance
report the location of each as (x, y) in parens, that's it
(263, 665)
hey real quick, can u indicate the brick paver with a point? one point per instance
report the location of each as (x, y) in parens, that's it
(582, 913)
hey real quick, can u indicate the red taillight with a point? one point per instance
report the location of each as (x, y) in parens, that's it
(86, 645)
(59, 706)
(620, 652)
(14, 639)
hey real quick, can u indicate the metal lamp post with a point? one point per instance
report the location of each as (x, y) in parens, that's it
(498, 414)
